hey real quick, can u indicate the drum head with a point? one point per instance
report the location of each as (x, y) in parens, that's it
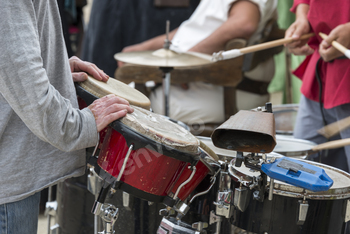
(223, 154)
(292, 147)
(113, 86)
(158, 128)
(339, 190)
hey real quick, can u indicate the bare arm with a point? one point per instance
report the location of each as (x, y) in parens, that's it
(242, 22)
(151, 44)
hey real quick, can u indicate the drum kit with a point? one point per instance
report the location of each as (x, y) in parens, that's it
(237, 181)
(231, 182)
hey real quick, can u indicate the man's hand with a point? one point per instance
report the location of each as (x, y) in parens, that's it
(341, 34)
(300, 27)
(80, 69)
(108, 109)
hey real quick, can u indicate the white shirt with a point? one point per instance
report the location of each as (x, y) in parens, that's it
(204, 103)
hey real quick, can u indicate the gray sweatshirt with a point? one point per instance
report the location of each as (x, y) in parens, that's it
(42, 133)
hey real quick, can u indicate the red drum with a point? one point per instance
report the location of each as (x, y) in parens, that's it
(92, 89)
(145, 154)
(208, 164)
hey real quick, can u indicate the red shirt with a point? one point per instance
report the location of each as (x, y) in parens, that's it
(323, 16)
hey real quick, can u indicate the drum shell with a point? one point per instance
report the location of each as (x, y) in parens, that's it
(201, 172)
(325, 214)
(148, 174)
(280, 216)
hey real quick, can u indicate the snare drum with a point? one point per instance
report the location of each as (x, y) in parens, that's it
(292, 147)
(145, 154)
(285, 117)
(293, 209)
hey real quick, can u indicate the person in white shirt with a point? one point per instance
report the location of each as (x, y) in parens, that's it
(210, 27)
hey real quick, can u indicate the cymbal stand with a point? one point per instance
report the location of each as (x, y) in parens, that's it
(166, 73)
(108, 212)
(166, 88)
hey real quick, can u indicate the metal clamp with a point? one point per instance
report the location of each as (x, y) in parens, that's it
(109, 214)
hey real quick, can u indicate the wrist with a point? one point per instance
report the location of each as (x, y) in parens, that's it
(302, 11)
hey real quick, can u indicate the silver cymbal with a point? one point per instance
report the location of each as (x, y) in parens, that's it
(164, 58)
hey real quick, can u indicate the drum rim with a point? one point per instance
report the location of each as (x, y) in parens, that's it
(209, 162)
(293, 191)
(184, 141)
(296, 152)
(86, 85)
(220, 155)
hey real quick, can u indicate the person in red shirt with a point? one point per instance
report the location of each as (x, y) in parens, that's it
(325, 72)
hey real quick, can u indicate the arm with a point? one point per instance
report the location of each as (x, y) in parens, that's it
(151, 44)
(25, 85)
(300, 27)
(341, 34)
(243, 20)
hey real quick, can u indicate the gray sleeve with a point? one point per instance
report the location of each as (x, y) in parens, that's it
(25, 85)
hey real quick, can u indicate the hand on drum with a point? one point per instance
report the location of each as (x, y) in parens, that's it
(108, 109)
(80, 69)
(339, 34)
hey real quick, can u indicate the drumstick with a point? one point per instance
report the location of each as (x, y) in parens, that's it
(222, 55)
(332, 144)
(334, 128)
(337, 45)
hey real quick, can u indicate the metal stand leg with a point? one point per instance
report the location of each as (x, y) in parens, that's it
(166, 88)
(108, 212)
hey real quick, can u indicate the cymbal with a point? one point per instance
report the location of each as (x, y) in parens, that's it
(164, 58)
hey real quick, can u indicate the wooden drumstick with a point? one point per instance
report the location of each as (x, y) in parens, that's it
(337, 45)
(222, 55)
(332, 144)
(334, 128)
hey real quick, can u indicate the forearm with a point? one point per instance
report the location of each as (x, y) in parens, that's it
(242, 22)
(302, 11)
(153, 43)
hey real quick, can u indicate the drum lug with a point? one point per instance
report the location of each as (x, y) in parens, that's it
(302, 212)
(347, 212)
(241, 198)
(127, 201)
